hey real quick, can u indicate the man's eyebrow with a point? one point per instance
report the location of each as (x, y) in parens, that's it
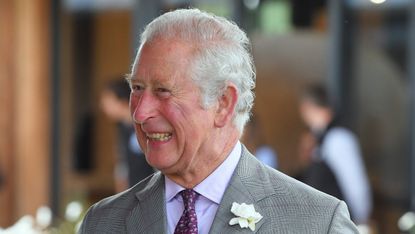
(158, 83)
(133, 78)
(128, 77)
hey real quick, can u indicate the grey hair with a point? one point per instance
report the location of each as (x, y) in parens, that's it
(222, 55)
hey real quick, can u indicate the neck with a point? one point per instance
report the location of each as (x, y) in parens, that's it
(207, 162)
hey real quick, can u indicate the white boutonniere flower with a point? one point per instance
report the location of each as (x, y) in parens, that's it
(246, 215)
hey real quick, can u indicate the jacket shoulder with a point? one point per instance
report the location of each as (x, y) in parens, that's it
(292, 206)
(109, 214)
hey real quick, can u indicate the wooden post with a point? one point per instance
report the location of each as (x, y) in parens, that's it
(6, 112)
(32, 105)
(24, 107)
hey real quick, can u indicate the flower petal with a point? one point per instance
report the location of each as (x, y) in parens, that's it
(243, 223)
(252, 226)
(257, 216)
(234, 221)
(246, 215)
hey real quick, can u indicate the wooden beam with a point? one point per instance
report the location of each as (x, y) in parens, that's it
(6, 112)
(32, 105)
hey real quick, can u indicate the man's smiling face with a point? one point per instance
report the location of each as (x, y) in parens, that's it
(172, 127)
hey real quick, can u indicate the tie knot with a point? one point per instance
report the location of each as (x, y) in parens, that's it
(189, 198)
(188, 222)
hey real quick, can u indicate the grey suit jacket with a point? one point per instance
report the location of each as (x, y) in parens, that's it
(287, 205)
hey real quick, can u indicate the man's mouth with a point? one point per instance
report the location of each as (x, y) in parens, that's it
(159, 136)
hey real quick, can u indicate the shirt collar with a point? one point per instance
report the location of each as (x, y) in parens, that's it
(213, 187)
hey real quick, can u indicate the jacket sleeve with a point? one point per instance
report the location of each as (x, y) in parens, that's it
(87, 225)
(341, 222)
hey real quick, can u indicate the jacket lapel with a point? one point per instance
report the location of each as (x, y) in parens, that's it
(244, 187)
(149, 215)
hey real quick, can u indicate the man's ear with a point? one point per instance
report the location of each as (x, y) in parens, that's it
(226, 107)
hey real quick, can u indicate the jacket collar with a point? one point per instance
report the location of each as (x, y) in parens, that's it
(246, 186)
(149, 215)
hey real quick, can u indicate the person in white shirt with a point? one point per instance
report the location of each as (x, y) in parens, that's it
(337, 154)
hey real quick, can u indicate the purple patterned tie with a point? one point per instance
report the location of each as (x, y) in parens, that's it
(188, 222)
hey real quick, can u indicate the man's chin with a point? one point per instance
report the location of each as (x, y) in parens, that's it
(159, 164)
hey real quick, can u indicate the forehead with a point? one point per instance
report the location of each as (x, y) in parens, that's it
(162, 58)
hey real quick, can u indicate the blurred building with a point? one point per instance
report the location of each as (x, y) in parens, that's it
(56, 55)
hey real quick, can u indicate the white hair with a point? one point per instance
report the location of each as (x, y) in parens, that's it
(223, 55)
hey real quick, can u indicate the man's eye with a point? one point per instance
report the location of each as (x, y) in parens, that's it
(163, 92)
(137, 89)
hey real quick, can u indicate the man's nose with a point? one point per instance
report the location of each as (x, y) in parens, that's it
(144, 107)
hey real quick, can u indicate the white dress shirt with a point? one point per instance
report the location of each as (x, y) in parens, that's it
(341, 152)
(210, 191)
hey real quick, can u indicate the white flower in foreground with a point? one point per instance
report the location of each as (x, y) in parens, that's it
(23, 225)
(246, 215)
(73, 211)
(407, 221)
(43, 217)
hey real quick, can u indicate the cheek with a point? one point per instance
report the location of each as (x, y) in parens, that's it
(133, 104)
(141, 138)
(190, 122)
(185, 115)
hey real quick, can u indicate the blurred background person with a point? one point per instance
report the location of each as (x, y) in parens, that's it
(131, 165)
(336, 165)
(255, 142)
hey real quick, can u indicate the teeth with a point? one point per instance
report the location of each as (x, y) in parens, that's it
(159, 136)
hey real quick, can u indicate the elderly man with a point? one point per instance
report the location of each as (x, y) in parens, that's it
(191, 96)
